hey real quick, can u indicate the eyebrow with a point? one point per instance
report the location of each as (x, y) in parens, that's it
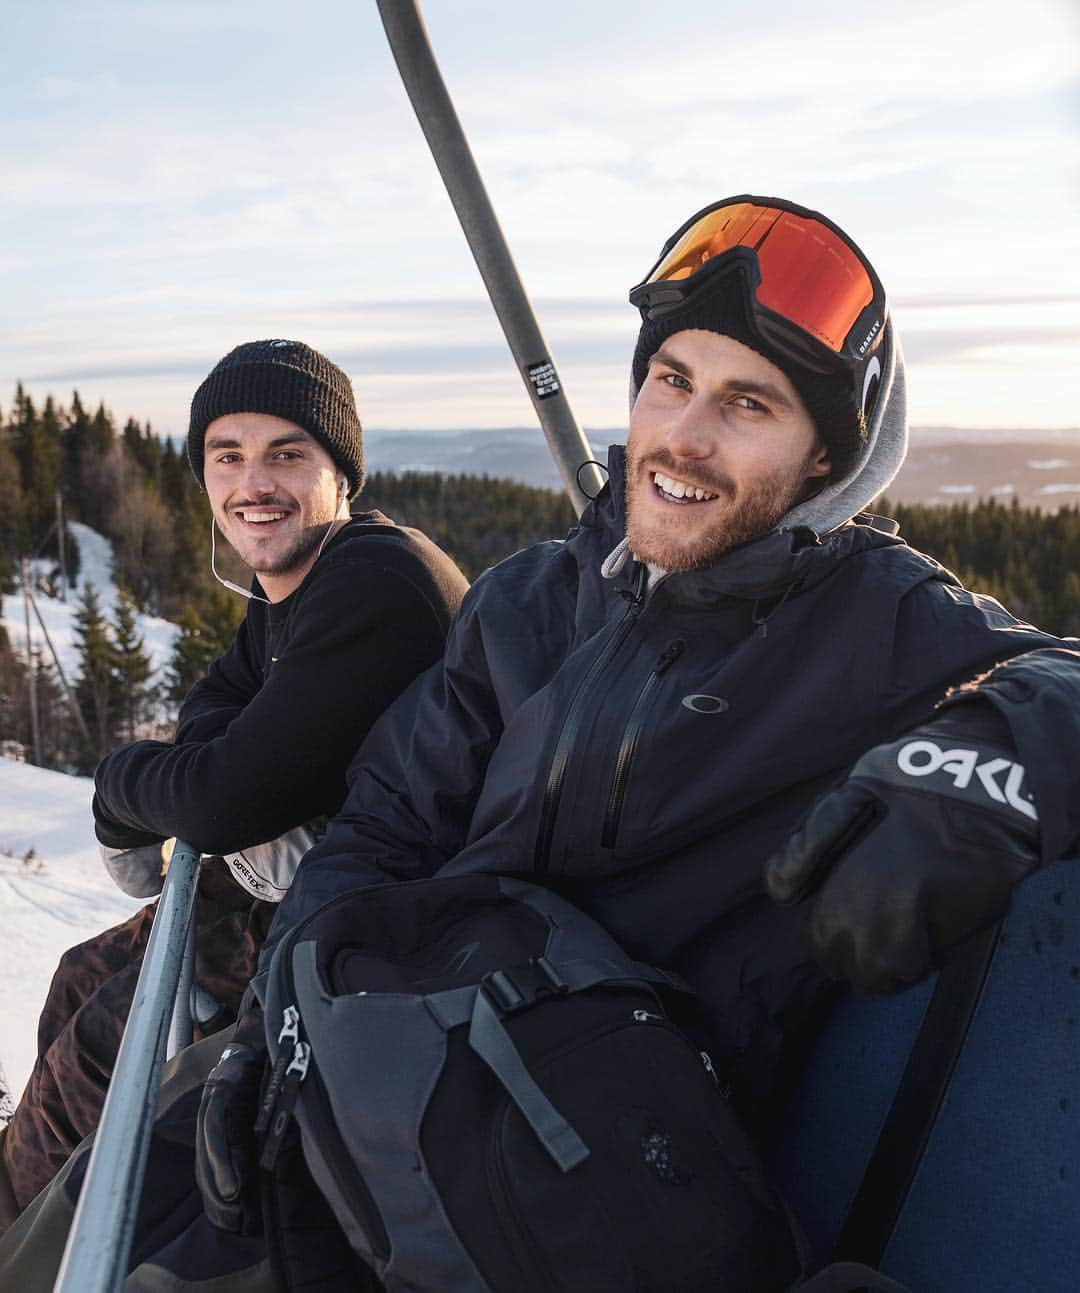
(768, 391)
(291, 437)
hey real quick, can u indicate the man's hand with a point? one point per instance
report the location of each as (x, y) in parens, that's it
(139, 871)
(919, 847)
(226, 1153)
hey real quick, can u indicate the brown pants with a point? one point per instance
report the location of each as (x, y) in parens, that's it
(83, 1021)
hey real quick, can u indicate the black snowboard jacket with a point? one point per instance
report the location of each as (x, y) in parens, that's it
(263, 741)
(644, 750)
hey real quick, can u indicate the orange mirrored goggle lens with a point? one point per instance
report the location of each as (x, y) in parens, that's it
(809, 275)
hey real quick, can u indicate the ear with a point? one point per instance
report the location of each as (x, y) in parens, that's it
(820, 462)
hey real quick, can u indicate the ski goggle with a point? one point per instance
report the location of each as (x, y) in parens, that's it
(814, 295)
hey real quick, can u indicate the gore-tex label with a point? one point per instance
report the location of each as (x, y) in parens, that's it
(545, 380)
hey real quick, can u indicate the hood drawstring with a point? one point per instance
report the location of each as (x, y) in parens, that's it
(616, 559)
(761, 618)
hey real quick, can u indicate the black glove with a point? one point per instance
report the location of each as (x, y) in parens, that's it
(226, 1153)
(920, 846)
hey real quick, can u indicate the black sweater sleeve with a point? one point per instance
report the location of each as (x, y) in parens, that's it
(230, 684)
(370, 618)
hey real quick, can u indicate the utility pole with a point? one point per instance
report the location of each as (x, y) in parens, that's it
(69, 695)
(62, 546)
(31, 672)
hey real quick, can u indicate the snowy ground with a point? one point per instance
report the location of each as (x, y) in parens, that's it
(61, 895)
(58, 898)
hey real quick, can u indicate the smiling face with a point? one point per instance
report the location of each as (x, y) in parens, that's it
(720, 447)
(274, 491)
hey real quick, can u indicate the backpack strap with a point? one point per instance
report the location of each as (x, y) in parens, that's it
(519, 986)
(490, 1040)
(504, 992)
(906, 1130)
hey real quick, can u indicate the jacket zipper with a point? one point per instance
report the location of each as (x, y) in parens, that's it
(628, 746)
(572, 725)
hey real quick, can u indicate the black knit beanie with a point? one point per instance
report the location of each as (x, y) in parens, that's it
(291, 381)
(829, 397)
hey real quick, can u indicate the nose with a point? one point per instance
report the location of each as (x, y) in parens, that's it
(691, 433)
(258, 481)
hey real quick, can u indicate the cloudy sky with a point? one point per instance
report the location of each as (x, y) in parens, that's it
(177, 178)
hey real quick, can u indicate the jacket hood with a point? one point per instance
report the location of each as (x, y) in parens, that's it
(880, 459)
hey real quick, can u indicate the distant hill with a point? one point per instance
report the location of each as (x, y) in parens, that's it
(513, 453)
(949, 466)
(944, 465)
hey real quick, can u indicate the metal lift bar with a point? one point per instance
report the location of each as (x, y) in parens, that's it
(439, 122)
(182, 1027)
(96, 1256)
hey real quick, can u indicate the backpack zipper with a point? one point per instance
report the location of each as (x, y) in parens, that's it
(279, 1105)
(572, 724)
(628, 746)
(280, 1112)
(290, 1032)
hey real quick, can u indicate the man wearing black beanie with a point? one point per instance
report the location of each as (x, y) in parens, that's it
(344, 611)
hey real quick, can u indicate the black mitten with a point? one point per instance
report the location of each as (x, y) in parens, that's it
(919, 847)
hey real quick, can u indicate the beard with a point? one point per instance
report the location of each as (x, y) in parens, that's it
(283, 563)
(683, 541)
(273, 559)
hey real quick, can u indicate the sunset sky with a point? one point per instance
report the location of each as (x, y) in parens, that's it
(177, 178)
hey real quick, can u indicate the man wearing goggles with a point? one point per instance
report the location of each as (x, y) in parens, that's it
(736, 719)
(786, 314)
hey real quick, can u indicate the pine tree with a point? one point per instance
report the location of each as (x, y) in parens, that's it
(132, 668)
(60, 740)
(96, 689)
(74, 441)
(192, 654)
(101, 433)
(37, 448)
(14, 718)
(11, 509)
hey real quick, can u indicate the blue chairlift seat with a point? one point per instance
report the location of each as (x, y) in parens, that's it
(993, 1205)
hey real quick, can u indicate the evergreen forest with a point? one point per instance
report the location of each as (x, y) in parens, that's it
(61, 463)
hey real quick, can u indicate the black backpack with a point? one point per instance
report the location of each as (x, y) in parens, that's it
(491, 1096)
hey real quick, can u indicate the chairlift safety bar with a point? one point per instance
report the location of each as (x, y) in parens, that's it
(450, 149)
(96, 1256)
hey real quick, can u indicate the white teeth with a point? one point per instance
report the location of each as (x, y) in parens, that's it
(262, 516)
(679, 489)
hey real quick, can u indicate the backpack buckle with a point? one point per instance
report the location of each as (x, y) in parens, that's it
(522, 986)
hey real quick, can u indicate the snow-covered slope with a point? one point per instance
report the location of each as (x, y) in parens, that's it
(59, 897)
(95, 567)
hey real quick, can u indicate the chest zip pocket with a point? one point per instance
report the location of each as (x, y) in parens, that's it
(631, 736)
